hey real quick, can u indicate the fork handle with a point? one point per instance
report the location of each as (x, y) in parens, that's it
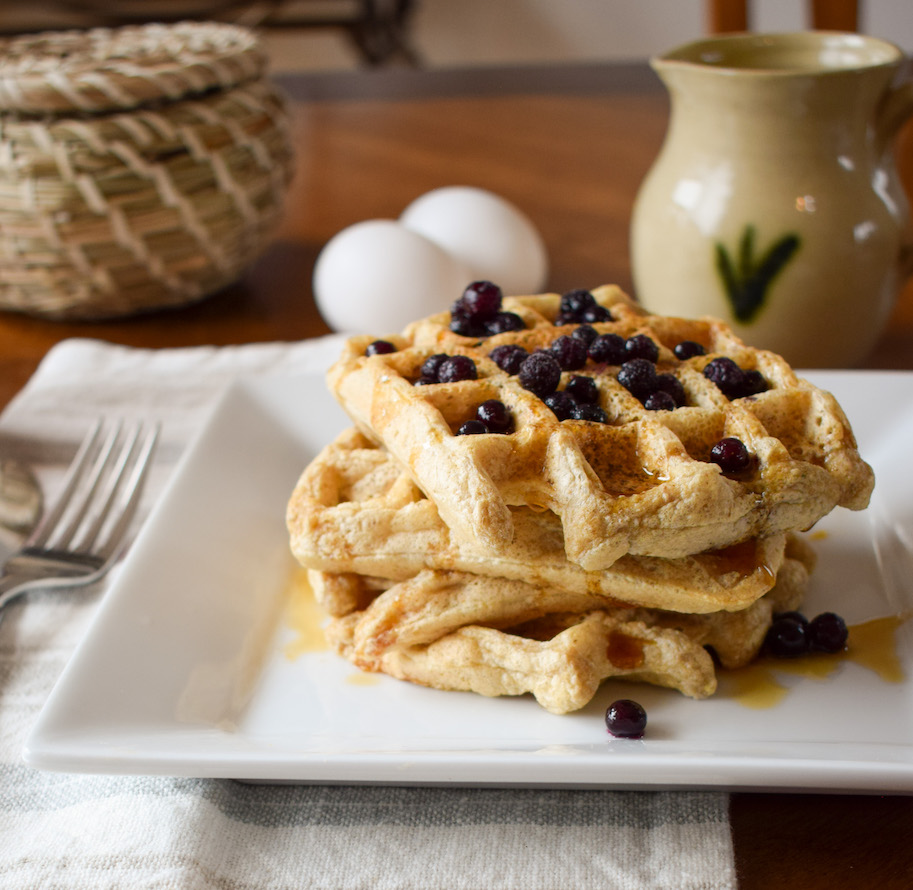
(13, 583)
(10, 587)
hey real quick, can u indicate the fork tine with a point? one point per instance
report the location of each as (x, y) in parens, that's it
(129, 495)
(74, 514)
(42, 531)
(124, 472)
(89, 532)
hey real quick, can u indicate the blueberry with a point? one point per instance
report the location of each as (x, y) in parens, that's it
(688, 349)
(641, 346)
(540, 373)
(508, 357)
(786, 638)
(638, 376)
(380, 347)
(466, 326)
(456, 368)
(595, 314)
(608, 349)
(570, 352)
(472, 428)
(660, 401)
(580, 307)
(590, 412)
(585, 332)
(827, 632)
(626, 719)
(481, 301)
(753, 382)
(574, 302)
(727, 375)
(504, 322)
(495, 415)
(795, 616)
(432, 365)
(425, 381)
(732, 380)
(671, 385)
(562, 404)
(584, 389)
(730, 455)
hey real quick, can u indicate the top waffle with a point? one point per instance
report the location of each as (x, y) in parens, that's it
(634, 480)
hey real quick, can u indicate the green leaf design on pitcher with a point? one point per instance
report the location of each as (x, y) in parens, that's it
(747, 279)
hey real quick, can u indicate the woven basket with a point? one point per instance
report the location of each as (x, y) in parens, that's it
(140, 167)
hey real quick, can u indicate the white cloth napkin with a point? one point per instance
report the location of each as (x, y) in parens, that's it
(76, 831)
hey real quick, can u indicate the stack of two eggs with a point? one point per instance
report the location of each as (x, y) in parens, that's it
(382, 274)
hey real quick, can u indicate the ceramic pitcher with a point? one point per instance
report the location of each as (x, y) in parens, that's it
(774, 203)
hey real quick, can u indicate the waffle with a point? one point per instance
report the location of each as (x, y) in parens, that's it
(356, 510)
(641, 483)
(456, 631)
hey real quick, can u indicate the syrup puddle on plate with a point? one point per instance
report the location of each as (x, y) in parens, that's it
(361, 678)
(872, 645)
(306, 618)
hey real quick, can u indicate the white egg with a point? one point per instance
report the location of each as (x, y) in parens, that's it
(377, 276)
(489, 234)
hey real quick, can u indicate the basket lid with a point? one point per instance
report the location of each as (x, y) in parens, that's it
(114, 69)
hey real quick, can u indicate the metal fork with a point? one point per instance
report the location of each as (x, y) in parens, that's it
(82, 535)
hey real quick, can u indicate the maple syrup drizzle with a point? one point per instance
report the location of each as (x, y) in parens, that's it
(304, 616)
(872, 645)
(624, 652)
(740, 558)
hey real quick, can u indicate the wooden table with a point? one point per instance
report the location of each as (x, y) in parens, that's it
(570, 146)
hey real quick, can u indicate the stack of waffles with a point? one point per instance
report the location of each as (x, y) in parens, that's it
(548, 557)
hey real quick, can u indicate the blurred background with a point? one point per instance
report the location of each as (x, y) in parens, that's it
(345, 34)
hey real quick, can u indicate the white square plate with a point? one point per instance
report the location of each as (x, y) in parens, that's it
(186, 671)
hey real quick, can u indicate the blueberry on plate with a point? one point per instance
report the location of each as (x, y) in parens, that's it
(827, 632)
(626, 719)
(786, 638)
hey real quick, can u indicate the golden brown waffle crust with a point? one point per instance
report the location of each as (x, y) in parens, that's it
(642, 483)
(355, 509)
(457, 631)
